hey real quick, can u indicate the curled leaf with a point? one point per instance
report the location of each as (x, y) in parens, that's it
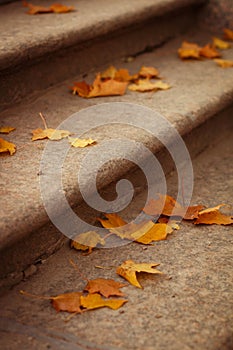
(6, 146)
(95, 301)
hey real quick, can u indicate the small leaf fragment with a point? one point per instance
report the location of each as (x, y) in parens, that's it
(213, 216)
(80, 143)
(6, 146)
(95, 301)
(129, 268)
(228, 34)
(221, 44)
(224, 63)
(52, 134)
(105, 287)
(6, 129)
(144, 85)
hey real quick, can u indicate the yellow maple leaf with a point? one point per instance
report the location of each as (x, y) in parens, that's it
(144, 85)
(80, 143)
(228, 34)
(129, 269)
(224, 63)
(87, 241)
(221, 44)
(52, 134)
(213, 216)
(6, 129)
(6, 146)
(95, 301)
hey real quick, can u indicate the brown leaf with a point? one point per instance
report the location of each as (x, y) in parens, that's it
(168, 206)
(148, 72)
(67, 302)
(52, 134)
(224, 63)
(213, 216)
(209, 51)
(144, 85)
(220, 44)
(129, 268)
(95, 301)
(87, 241)
(100, 88)
(6, 146)
(55, 8)
(189, 50)
(80, 143)
(6, 129)
(228, 34)
(105, 287)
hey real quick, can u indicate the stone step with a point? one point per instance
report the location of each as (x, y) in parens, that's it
(42, 50)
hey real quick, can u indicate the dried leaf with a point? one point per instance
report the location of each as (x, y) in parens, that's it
(168, 206)
(224, 63)
(112, 220)
(52, 134)
(228, 34)
(144, 85)
(87, 241)
(148, 72)
(123, 75)
(6, 146)
(95, 301)
(158, 232)
(213, 216)
(80, 143)
(189, 50)
(6, 129)
(55, 8)
(220, 44)
(172, 223)
(105, 287)
(67, 302)
(100, 88)
(129, 268)
(109, 73)
(209, 51)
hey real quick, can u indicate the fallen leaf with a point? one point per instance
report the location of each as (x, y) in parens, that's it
(112, 220)
(109, 73)
(67, 302)
(123, 75)
(100, 88)
(80, 143)
(105, 287)
(129, 269)
(87, 241)
(228, 34)
(6, 146)
(95, 301)
(55, 8)
(6, 129)
(224, 63)
(144, 85)
(148, 72)
(52, 134)
(209, 51)
(213, 216)
(158, 232)
(220, 44)
(168, 206)
(189, 50)
(172, 223)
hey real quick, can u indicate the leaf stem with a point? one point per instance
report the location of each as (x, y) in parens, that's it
(43, 120)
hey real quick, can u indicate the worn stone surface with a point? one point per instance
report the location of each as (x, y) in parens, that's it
(189, 103)
(189, 307)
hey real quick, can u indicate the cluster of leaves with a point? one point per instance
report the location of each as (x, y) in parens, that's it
(113, 82)
(194, 51)
(54, 8)
(40, 134)
(164, 214)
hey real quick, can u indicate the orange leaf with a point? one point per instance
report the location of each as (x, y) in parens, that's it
(148, 72)
(52, 134)
(228, 34)
(109, 73)
(213, 216)
(144, 85)
(67, 302)
(113, 220)
(129, 268)
(158, 232)
(55, 8)
(224, 63)
(6, 146)
(221, 44)
(209, 51)
(6, 129)
(106, 287)
(189, 50)
(95, 301)
(59, 8)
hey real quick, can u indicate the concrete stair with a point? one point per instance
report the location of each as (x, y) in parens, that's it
(43, 55)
